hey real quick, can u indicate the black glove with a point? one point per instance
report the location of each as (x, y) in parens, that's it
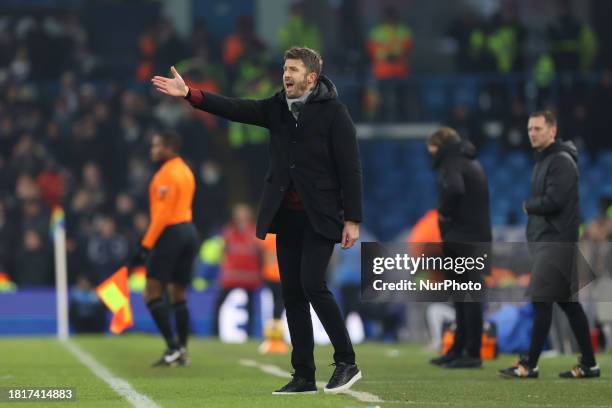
(139, 257)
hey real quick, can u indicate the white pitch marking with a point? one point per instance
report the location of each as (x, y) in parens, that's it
(119, 385)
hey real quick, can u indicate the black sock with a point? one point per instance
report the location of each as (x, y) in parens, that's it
(580, 327)
(542, 319)
(181, 317)
(159, 312)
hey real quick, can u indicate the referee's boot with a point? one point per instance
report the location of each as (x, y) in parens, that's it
(343, 378)
(582, 371)
(171, 358)
(297, 385)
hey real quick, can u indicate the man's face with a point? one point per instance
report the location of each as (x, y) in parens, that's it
(295, 78)
(432, 149)
(541, 134)
(159, 151)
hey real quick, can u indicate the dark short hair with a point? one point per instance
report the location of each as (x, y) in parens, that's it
(443, 136)
(549, 117)
(170, 139)
(308, 56)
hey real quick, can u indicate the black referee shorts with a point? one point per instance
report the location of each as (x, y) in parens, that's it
(172, 257)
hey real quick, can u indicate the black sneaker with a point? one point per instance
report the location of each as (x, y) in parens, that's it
(343, 378)
(582, 371)
(464, 362)
(170, 359)
(520, 370)
(297, 385)
(445, 359)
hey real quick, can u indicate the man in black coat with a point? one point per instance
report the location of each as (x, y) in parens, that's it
(552, 233)
(465, 227)
(312, 199)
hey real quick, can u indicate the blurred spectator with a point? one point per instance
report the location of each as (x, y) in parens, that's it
(506, 40)
(33, 261)
(202, 72)
(93, 185)
(106, 249)
(26, 187)
(28, 156)
(467, 125)
(124, 212)
(51, 184)
(389, 45)
(241, 265)
(244, 53)
(243, 43)
(200, 37)
(86, 144)
(54, 144)
(35, 217)
(160, 47)
(87, 313)
(466, 35)
(170, 48)
(573, 45)
(138, 176)
(299, 31)
(250, 142)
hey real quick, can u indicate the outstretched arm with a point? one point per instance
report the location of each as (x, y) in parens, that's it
(247, 111)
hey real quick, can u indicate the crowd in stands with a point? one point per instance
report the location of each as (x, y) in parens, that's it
(67, 138)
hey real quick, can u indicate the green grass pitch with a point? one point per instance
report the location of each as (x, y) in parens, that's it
(398, 374)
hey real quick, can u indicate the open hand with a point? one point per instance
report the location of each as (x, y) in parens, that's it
(171, 86)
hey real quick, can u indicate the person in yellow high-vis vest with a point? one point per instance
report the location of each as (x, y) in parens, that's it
(388, 45)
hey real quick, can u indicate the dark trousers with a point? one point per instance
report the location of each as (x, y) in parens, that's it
(468, 335)
(303, 256)
(542, 319)
(277, 298)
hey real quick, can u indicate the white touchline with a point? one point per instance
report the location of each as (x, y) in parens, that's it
(279, 372)
(119, 385)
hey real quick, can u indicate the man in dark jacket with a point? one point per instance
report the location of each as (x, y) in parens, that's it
(465, 226)
(311, 199)
(552, 233)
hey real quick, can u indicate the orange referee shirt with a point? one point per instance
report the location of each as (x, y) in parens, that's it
(170, 197)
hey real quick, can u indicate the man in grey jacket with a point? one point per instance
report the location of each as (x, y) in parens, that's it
(552, 233)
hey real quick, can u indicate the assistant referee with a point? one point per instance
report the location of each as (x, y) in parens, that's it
(169, 245)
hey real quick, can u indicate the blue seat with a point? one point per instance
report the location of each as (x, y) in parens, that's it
(605, 160)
